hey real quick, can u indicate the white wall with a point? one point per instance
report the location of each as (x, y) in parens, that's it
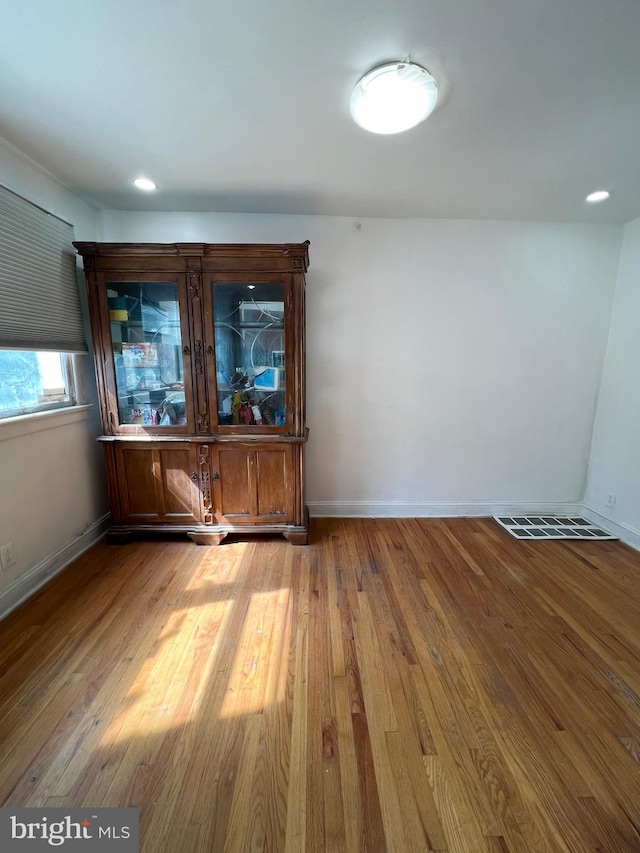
(52, 480)
(449, 362)
(615, 459)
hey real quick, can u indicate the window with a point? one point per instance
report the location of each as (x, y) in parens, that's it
(41, 323)
(35, 381)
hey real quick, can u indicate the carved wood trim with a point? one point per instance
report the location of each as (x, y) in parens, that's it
(193, 282)
(194, 285)
(197, 356)
(205, 483)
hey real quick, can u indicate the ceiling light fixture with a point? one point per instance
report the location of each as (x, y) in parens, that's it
(598, 195)
(393, 97)
(144, 184)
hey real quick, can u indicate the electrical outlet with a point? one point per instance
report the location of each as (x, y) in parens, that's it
(7, 555)
(611, 499)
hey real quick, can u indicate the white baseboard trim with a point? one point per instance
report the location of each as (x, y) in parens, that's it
(629, 535)
(27, 584)
(449, 509)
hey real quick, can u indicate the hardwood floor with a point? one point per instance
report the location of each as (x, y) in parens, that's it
(405, 685)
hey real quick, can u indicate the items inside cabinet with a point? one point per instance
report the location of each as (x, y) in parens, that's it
(250, 353)
(147, 352)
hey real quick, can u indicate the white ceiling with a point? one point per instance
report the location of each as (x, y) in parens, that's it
(244, 106)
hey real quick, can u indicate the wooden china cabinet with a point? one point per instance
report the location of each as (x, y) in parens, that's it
(200, 362)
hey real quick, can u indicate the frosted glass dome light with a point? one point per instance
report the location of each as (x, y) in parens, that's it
(598, 195)
(393, 97)
(144, 184)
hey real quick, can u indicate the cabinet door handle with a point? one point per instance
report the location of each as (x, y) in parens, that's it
(209, 350)
(194, 477)
(186, 350)
(215, 476)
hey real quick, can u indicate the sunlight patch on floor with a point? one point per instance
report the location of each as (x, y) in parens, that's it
(259, 673)
(193, 641)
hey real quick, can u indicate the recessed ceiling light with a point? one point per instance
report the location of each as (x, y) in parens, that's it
(599, 195)
(144, 184)
(393, 97)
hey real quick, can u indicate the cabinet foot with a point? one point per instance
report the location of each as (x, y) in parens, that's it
(206, 538)
(119, 537)
(297, 537)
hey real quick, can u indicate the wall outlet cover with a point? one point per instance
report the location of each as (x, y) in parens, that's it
(7, 556)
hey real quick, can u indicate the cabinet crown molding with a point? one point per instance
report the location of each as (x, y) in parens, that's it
(234, 251)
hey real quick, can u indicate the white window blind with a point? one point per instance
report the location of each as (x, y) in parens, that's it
(39, 298)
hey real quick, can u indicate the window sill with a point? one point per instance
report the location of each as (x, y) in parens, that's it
(22, 425)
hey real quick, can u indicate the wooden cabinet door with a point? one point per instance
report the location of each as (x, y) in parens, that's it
(233, 487)
(274, 489)
(158, 484)
(253, 484)
(251, 331)
(149, 359)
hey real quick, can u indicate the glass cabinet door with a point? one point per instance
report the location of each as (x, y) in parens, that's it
(250, 348)
(146, 334)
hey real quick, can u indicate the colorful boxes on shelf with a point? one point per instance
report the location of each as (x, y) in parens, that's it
(143, 415)
(139, 355)
(118, 312)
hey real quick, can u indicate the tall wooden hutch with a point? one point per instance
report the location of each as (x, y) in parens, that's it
(200, 362)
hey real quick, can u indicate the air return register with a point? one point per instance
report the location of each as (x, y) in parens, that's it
(551, 527)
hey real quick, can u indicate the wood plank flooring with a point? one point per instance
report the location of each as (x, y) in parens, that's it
(398, 685)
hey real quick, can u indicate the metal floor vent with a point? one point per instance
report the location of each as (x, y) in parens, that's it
(551, 527)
